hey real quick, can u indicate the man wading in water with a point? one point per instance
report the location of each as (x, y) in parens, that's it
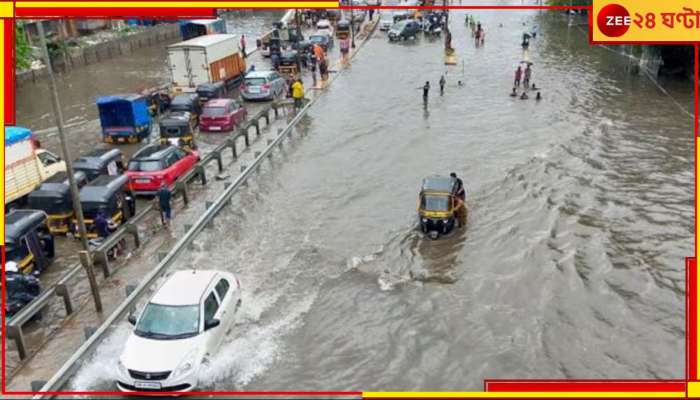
(426, 90)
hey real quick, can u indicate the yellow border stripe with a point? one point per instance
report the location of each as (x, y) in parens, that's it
(6, 9)
(693, 389)
(159, 4)
(523, 394)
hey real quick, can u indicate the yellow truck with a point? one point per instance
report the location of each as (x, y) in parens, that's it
(26, 166)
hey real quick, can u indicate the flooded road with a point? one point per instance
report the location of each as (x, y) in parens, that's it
(572, 262)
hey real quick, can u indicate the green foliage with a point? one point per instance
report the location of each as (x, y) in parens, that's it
(23, 52)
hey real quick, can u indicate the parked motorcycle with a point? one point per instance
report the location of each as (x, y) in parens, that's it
(20, 289)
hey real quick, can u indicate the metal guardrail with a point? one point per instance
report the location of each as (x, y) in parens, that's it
(100, 254)
(71, 366)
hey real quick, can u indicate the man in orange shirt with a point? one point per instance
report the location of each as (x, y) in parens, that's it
(318, 51)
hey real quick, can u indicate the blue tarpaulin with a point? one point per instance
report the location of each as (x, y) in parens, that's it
(123, 111)
(14, 134)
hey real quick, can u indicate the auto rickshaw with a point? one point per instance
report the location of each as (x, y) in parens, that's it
(100, 162)
(110, 194)
(190, 103)
(439, 209)
(342, 29)
(54, 198)
(158, 101)
(177, 129)
(124, 118)
(26, 241)
(208, 91)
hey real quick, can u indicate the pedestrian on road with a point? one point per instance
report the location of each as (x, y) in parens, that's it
(344, 49)
(313, 76)
(524, 96)
(164, 199)
(298, 94)
(539, 96)
(426, 90)
(323, 69)
(102, 224)
(442, 85)
(518, 76)
(371, 13)
(528, 74)
(243, 46)
(514, 93)
(319, 53)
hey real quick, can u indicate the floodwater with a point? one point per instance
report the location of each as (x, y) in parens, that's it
(571, 264)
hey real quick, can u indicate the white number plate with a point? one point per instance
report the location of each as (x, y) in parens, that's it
(215, 128)
(254, 90)
(146, 385)
(143, 180)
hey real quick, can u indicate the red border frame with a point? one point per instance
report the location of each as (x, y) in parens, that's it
(494, 385)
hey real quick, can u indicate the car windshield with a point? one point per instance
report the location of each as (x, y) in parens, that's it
(213, 111)
(144, 165)
(436, 203)
(160, 321)
(317, 39)
(255, 81)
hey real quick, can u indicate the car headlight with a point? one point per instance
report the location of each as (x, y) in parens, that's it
(122, 368)
(185, 366)
(444, 221)
(425, 220)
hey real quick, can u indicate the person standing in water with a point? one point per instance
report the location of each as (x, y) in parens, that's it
(518, 76)
(426, 90)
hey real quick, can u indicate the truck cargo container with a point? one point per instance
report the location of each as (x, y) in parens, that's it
(199, 27)
(205, 59)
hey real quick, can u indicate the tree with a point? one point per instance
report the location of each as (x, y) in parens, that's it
(23, 52)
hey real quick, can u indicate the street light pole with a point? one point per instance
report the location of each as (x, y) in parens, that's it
(69, 168)
(352, 25)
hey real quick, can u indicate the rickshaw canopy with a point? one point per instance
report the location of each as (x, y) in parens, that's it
(19, 222)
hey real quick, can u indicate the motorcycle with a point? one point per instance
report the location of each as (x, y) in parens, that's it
(21, 289)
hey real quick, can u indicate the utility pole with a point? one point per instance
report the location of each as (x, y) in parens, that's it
(69, 167)
(297, 17)
(352, 25)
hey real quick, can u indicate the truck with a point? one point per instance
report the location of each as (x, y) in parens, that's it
(198, 27)
(205, 59)
(26, 165)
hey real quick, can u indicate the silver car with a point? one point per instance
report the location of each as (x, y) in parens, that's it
(386, 21)
(262, 85)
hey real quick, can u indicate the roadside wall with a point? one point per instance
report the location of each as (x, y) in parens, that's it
(103, 51)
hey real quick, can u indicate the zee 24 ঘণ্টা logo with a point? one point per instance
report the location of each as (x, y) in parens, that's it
(614, 20)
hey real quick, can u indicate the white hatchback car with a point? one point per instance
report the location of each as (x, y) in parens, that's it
(183, 324)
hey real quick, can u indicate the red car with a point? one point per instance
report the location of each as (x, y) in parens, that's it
(158, 163)
(221, 115)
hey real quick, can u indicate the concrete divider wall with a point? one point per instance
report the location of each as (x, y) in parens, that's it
(99, 52)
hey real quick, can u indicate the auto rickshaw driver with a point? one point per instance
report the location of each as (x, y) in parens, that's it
(460, 200)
